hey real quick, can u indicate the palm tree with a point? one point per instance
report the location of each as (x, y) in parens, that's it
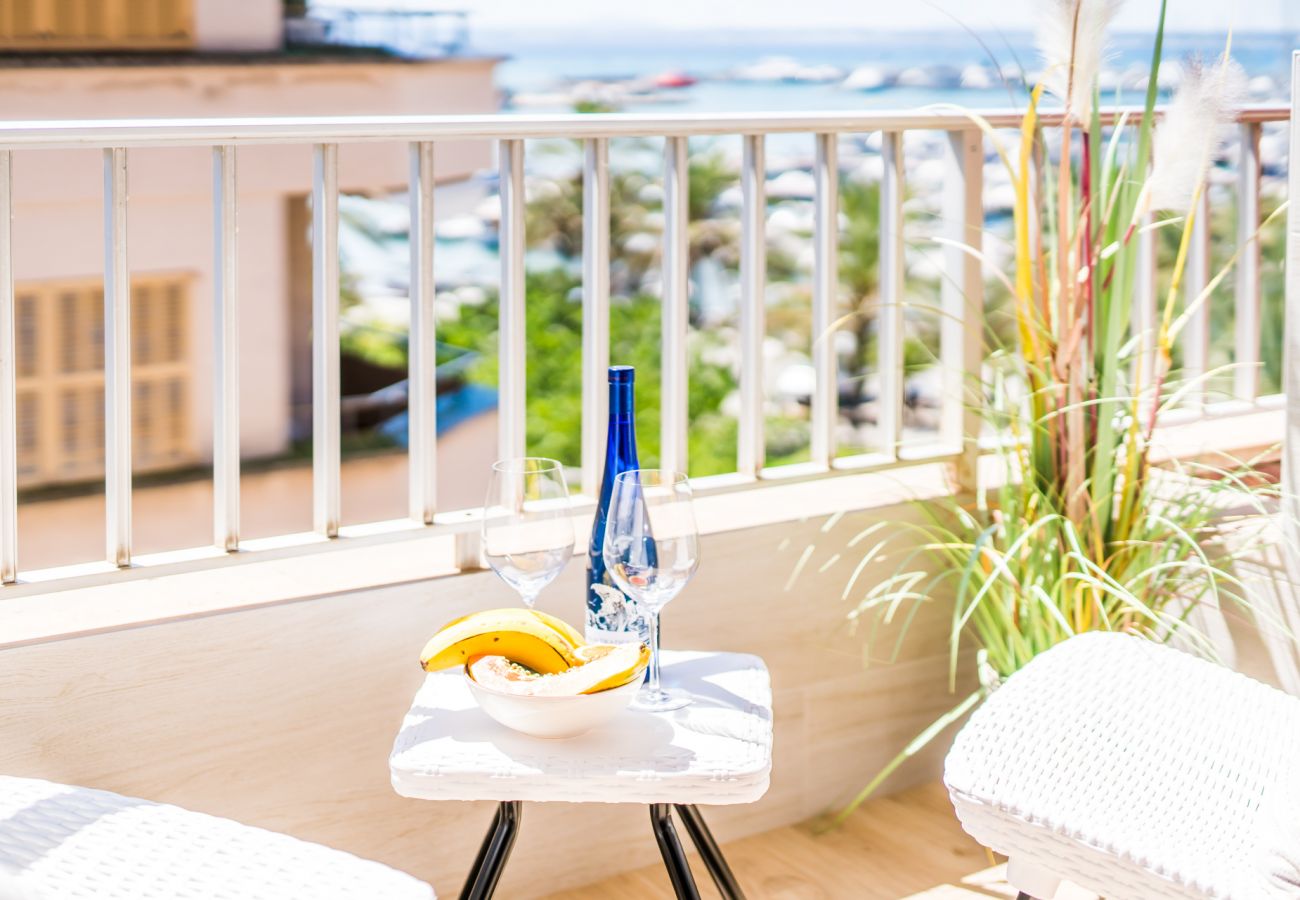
(554, 218)
(860, 270)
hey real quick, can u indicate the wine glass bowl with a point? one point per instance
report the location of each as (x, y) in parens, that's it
(527, 531)
(652, 550)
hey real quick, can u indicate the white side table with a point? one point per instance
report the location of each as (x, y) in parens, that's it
(717, 750)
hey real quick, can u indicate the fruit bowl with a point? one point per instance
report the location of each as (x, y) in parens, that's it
(553, 717)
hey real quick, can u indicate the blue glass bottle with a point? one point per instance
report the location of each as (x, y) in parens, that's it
(611, 616)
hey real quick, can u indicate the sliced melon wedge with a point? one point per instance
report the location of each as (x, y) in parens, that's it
(603, 666)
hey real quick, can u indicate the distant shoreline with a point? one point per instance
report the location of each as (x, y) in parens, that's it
(697, 37)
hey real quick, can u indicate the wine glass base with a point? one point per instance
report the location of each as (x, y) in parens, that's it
(662, 700)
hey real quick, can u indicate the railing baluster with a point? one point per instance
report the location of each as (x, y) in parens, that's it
(512, 358)
(325, 339)
(1245, 376)
(225, 352)
(422, 371)
(961, 327)
(595, 310)
(8, 382)
(676, 287)
(1196, 333)
(826, 286)
(751, 448)
(889, 330)
(117, 363)
(1290, 376)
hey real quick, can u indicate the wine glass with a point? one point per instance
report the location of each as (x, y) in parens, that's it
(527, 531)
(652, 549)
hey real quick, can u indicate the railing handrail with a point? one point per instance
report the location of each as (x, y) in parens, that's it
(209, 132)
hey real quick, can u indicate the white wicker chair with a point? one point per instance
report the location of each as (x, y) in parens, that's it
(1130, 769)
(59, 842)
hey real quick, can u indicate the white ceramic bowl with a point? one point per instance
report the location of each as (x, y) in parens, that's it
(553, 717)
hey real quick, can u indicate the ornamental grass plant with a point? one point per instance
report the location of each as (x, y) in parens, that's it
(1081, 529)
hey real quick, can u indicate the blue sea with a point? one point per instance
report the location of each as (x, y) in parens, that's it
(537, 66)
(543, 62)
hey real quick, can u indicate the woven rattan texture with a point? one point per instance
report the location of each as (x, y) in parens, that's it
(1131, 769)
(717, 750)
(59, 842)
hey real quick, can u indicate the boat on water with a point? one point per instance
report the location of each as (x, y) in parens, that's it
(867, 78)
(786, 69)
(674, 79)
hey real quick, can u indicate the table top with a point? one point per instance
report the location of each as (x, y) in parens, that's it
(718, 750)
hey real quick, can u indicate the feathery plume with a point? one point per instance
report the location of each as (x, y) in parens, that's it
(1189, 136)
(1072, 38)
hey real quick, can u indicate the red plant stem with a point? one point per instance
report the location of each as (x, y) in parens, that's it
(1089, 288)
(1128, 233)
(1085, 200)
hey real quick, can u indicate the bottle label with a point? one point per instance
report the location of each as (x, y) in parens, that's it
(601, 636)
(612, 617)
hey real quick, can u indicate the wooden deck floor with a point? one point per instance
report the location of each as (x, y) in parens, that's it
(905, 846)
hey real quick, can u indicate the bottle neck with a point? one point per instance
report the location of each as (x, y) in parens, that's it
(620, 456)
(620, 451)
(620, 402)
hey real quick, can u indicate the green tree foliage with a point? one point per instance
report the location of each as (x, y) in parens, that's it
(554, 372)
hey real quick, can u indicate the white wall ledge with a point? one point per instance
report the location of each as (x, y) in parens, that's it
(78, 600)
(90, 598)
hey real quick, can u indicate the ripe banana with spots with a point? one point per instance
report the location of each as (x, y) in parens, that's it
(518, 634)
(567, 631)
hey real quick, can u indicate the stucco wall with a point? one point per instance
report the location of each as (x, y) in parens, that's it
(58, 205)
(56, 240)
(242, 25)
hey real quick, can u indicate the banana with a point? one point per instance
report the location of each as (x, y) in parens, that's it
(620, 678)
(567, 631)
(514, 633)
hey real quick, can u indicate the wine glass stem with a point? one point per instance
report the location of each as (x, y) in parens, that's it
(652, 628)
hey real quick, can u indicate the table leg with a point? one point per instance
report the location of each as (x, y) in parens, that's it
(483, 846)
(493, 853)
(679, 870)
(714, 861)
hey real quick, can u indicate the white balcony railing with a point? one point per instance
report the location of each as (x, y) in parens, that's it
(961, 301)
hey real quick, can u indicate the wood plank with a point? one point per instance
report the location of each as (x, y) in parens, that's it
(906, 845)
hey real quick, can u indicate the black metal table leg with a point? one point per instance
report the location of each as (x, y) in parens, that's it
(714, 861)
(679, 870)
(494, 852)
(1023, 896)
(483, 848)
(482, 880)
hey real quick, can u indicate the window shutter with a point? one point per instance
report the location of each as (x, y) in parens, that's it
(96, 24)
(60, 369)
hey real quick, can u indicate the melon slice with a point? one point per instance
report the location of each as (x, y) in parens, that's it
(606, 666)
